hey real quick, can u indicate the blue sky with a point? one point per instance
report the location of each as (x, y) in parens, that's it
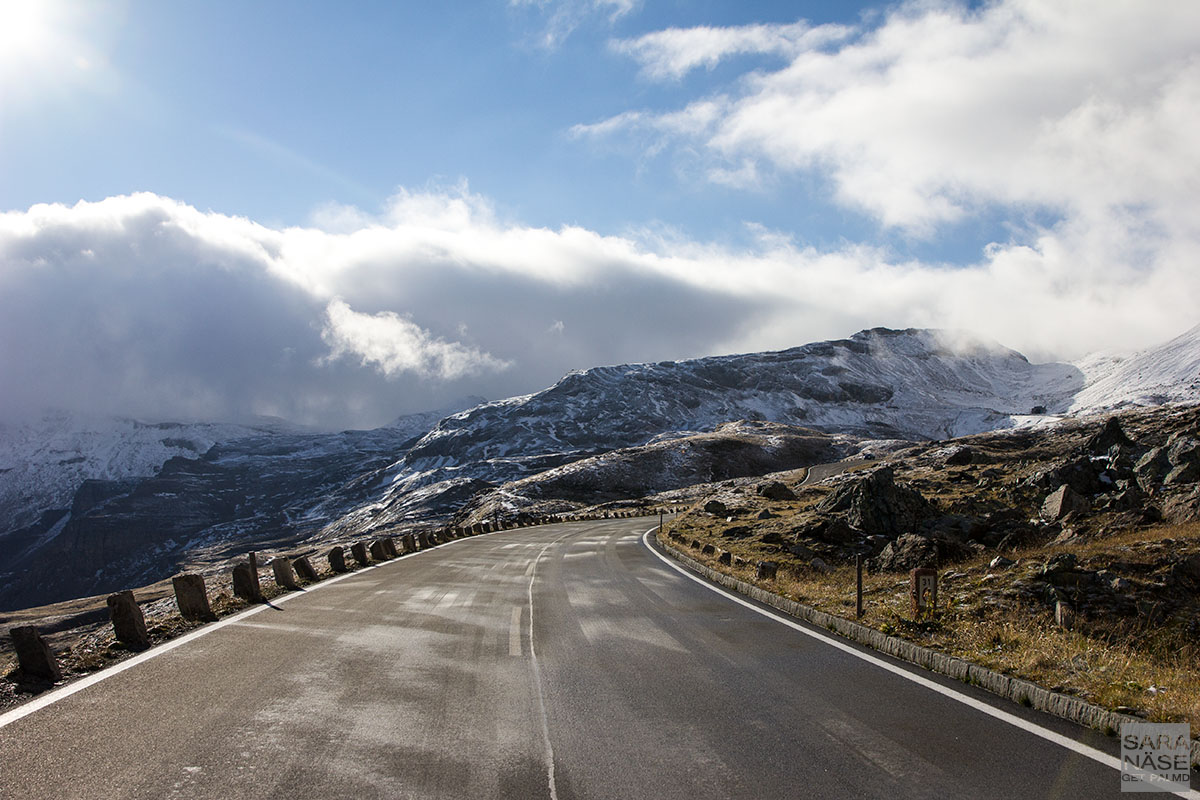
(273, 109)
(336, 213)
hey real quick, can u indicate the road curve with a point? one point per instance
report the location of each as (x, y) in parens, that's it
(564, 661)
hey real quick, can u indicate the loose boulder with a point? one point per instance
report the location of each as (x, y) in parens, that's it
(1182, 449)
(1062, 502)
(833, 530)
(716, 508)
(776, 490)
(1151, 468)
(1111, 434)
(1082, 474)
(1183, 456)
(1184, 508)
(910, 551)
(960, 456)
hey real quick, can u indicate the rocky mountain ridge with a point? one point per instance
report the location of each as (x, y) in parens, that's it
(596, 430)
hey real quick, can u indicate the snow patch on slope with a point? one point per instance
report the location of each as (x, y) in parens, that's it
(43, 462)
(1168, 373)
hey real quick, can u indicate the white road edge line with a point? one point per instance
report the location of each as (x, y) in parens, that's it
(52, 697)
(1003, 716)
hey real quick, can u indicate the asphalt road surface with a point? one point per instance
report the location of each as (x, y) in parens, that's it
(564, 661)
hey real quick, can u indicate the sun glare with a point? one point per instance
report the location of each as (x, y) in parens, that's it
(25, 30)
(41, 43)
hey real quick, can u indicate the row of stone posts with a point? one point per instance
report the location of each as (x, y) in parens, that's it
(38, 664)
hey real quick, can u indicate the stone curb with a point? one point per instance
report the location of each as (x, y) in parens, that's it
(1020, 691)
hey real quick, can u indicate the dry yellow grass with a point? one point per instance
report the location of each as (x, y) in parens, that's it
(1117, 663)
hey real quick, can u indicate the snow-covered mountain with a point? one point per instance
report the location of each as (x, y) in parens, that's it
(881, 383)
(43, 462)
(91, 504)
(89, 507)
(1169, 373)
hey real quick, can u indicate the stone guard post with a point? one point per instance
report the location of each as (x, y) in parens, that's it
(34, 655)
(284, 574)
(304, 568)
(129, 625)
(337, 559)
(192, 598)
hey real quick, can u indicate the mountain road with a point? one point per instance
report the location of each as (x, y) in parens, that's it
(563, 661)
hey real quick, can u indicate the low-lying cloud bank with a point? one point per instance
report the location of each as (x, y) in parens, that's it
(146, 306)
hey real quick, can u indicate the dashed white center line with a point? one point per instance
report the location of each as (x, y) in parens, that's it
(514, 632)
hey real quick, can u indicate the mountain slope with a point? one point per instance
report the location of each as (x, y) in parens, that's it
(1168, 373)
(733, 450)
(139, 500)
(44, 462)
(98, 507)
(880, 383)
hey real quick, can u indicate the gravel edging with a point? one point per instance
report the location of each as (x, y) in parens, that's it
(1018, 690)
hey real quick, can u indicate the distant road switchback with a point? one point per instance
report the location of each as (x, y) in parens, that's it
(564, 661)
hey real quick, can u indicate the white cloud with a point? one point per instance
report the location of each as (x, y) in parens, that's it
(1071, 123)
(564, 17)
(394, 345)
(142, 305)
(670, 54)
(1079, 108)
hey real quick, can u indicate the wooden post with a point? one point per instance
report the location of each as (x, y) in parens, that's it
(858, 570)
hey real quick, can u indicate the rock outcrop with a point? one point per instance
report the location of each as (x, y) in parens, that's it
(877, 505)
